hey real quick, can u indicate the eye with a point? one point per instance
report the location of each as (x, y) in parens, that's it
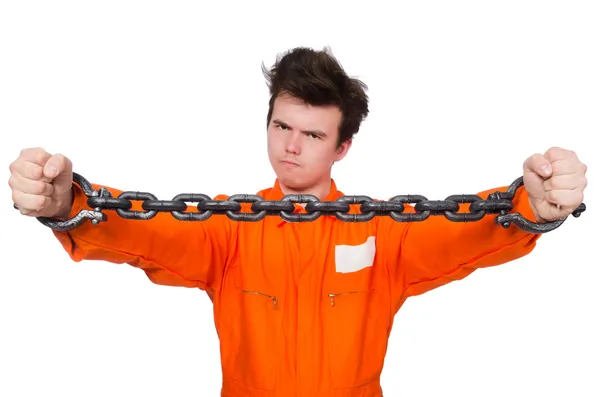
(282, 127)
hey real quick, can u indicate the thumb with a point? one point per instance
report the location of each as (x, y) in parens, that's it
(537, 164)
(59, 169)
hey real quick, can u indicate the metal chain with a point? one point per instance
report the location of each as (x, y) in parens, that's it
(499, 203)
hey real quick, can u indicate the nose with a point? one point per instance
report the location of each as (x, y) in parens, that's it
(292, 144)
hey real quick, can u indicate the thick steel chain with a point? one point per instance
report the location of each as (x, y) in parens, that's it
(499, 203)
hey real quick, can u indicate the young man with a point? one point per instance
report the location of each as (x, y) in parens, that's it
(302, 309)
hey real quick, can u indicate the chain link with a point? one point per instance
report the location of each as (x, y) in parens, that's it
(499, 203)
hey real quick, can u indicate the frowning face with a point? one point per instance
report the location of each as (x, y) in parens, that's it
(302, 145)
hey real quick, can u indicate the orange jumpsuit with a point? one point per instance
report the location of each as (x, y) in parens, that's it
(301, 309)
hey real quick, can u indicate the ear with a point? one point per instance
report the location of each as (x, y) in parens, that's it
(343, 149)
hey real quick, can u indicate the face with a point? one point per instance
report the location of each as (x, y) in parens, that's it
(302, 144)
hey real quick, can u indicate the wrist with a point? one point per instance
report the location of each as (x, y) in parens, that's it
(65, 205)
(536, 214)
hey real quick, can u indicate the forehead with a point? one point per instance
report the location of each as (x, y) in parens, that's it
(302, 116)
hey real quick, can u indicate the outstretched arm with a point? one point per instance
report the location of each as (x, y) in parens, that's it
(421, 256)
(169, 251)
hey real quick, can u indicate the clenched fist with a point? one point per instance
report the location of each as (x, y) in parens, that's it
(41, 183)
(555, 182)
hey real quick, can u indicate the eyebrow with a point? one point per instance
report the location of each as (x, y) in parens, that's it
(315, 132)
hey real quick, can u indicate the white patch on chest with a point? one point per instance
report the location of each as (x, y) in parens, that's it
(352, 258)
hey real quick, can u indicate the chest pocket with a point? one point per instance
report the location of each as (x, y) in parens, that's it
(356, 315)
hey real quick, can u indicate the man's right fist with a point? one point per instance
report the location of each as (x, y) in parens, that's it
(41, 183)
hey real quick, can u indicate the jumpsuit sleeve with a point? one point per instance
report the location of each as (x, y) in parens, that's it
(169, 251)
(425, 255)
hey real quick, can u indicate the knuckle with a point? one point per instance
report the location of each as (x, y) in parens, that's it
(39, 157)
(576, 198)
(34, 154)
(38, 187)
(18, 199)
(40, 202)
(28, 151)
(554, 152)
(12, 182)
(37, 172)
(571, 154)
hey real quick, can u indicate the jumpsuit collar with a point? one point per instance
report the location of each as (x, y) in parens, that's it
(275, 193)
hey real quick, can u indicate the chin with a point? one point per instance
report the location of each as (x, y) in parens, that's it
(295, 183)
(291, 182)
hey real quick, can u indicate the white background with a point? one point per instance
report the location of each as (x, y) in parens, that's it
(95, 80)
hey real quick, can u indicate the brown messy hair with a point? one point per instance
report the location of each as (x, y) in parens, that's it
(317, 78)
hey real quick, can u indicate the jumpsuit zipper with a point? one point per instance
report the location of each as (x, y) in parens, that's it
(333, 296)
(273, 298)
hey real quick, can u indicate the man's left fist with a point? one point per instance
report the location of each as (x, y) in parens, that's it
(555, 182)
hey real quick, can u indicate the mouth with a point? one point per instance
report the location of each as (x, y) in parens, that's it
(287, 162)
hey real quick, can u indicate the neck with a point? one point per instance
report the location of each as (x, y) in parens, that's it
(320, 190)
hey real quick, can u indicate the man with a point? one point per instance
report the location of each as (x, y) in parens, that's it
(302, 309)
